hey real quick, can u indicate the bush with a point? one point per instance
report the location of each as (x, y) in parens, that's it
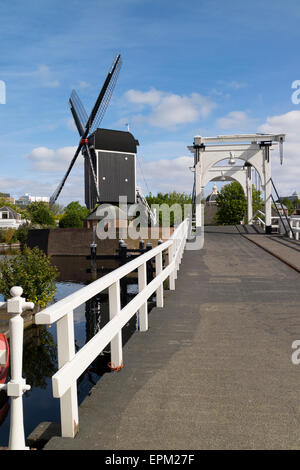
(175, 199)
(71, 220)
(74, 216)
(8, 235)
(232, 204)
(40, 213)
(32, 270)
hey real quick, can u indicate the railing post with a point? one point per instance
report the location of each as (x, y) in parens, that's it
(175, 257)
(297, 229)
(160, 290)
(116, 353)
(143, 311)
(172, 275)
(66, 352)
(17, 385)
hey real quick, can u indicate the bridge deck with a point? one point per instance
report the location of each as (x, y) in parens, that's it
(214, 370)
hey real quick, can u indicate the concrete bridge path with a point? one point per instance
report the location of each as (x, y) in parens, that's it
(214, 371)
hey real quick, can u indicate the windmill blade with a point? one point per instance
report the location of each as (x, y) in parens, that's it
(105, 94)
(79, 113)
(57, 192)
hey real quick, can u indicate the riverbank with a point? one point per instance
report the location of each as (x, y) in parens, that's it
(4, 247)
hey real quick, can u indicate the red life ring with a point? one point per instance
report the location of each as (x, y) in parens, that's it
(4, 358)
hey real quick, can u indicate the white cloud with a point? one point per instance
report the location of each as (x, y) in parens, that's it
(49, 160)
(287, 176)
(168, 110)
(234, 120)
(167, 175)
(71, 124)
(72, 191)
(45, 76)
(83, 84)
(151, 97)
(236, 85)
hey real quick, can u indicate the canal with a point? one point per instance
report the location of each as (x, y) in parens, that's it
(40, 348)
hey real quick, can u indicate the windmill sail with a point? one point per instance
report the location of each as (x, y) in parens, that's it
(86, 124)
(79, 113)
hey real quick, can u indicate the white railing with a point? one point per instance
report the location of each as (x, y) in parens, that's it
(263, 223)
(259, 219)
(17, 385)
(72, 365)
(286, 226)
(295, 224)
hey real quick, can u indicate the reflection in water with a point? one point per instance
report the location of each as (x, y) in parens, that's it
(39, 358)
(8, 251)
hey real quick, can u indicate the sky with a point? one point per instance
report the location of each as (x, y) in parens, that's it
(193, 67)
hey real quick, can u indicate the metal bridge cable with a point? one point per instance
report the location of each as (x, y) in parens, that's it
(286, 217)
(139, 163)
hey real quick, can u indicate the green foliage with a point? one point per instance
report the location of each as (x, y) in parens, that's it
(257, 202)
(71, 220)
(22, 233)
(8, 235)
(75, 207)
(232, 204)
(74, 215)
(32, 270)
(40, 213)
(5, 202)
(296, 203)
(170, 199)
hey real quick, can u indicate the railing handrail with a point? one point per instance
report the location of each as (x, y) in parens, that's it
(56, 311)
(88, 353)
(70, 364)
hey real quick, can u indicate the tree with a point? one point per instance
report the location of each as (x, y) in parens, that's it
(74, 215)
(257, 202)
(32, 270)
(232, 204)
(170, 199)
(296, 203)
(71, 220)
(75, 207)
(40, 213)
(288, 203)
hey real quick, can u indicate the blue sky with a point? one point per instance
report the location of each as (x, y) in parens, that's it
(189, 67)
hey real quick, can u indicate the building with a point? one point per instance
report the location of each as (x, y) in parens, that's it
(114, 218)
(10, 218)
(294, 197)
(211, 208)
(24, 201)
(281, 208)
(7, 197)
(212, 197)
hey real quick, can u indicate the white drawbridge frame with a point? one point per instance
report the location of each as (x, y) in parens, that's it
(254, 149)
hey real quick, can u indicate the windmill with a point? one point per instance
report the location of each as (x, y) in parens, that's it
(110, 155)
(86, 126)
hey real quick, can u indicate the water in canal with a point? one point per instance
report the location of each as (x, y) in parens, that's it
(40, 356)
